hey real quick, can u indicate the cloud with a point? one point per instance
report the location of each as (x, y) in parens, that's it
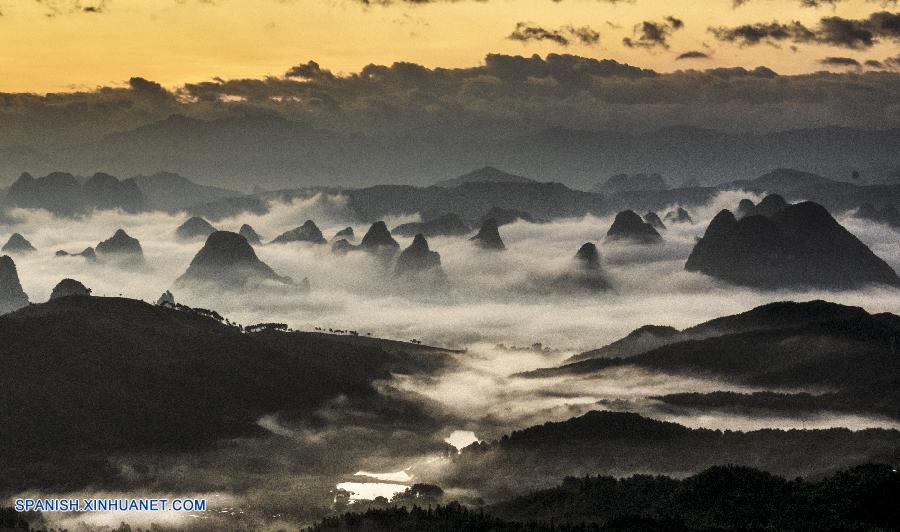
(649, 34)
(831, 31)
(841, 62)
(563, 36)
(68, 7)
(693, 54)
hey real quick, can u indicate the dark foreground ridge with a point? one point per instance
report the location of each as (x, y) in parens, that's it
(719, 498)
(87, 377)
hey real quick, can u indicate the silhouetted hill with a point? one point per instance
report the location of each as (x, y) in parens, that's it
(471, 201)
(87, 253)
(446, 225)
(508, 216)
(171, 192)
(628, 226)
(888, 214)
(308, 232)
(638, 341)
(17, 244)
(653, 219)
(585, 274)
(87, 377)
(12, 297)
(614, 443)
(719, 498)
(195, 227)
(121, 246)
(679, 216)
(346, 234)
(800, 246)
(227, 261)
(488, 236)
(68, 288)
(62, 194)
(378, 240)
(488, 174)
(418, 258)
(250, 234)
(781, 345)
(626, 183)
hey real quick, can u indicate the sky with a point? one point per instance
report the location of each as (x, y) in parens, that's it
(67, 45)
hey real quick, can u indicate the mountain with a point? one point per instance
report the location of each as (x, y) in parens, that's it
(308, 232)
(143, 374)
(619, 443)
(250, 235)
(813, 345)
(723, 497)
(106, 192)
(88, 254)
(488, 174)
(785, 181)
(679, 216)
(628, 226)
(194, 228)
(121, 246)
(627, 183)
(171, 192)
(470, 201)
(12, 297)
(275, 150)
(346, 234)
(446, 225)
(418, 258)
(769, 206)
(227, 261)
(378, 240)
(888, 214)
(62, 194)
(488, 236)
(17, 244)
(507, 216)
(801, 246)
(638, 341)
(68, 288)
(585, 273)
(653, 219)
(772, 316)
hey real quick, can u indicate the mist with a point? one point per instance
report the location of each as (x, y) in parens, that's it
(494, 307)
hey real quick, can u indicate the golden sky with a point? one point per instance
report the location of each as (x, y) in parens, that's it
(58, 45)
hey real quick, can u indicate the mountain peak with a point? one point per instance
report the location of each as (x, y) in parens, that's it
(227, 261)
(488, 236)
(12, 297)
(629, 226)
(17, 244)
(308, 232)
(486, 174)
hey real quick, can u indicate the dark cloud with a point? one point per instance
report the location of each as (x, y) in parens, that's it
(763, 32)
(874, 63)
(526, 33)
(841, 62)
(693, 54)
(504, 96)
(831, 31)
(563, 36)
(67, 7)
(649, 34)
(893, 62)
(821, 3)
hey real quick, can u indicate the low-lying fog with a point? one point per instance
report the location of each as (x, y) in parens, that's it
(490, 299)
